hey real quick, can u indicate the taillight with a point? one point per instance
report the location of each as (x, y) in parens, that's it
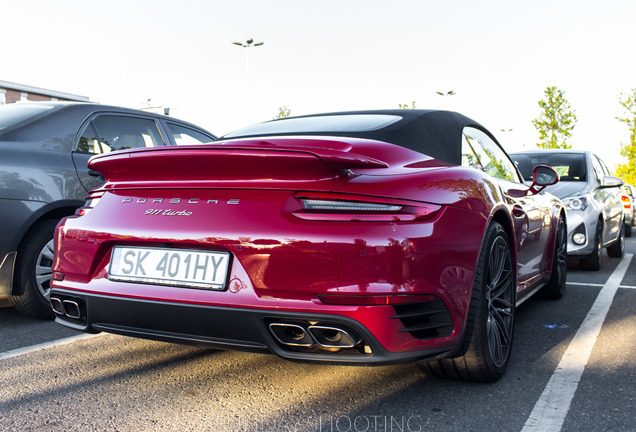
(323, 207)
(626, 202)
(374, 300)
(91, 202)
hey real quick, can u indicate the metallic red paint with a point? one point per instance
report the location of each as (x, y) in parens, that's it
(244, 197)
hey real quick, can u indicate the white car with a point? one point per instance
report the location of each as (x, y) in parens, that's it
(592, 196)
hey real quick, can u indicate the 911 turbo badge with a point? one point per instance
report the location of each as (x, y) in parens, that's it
(167, 212)
(173, 212)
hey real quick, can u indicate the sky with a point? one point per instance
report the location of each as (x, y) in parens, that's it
(497, 56)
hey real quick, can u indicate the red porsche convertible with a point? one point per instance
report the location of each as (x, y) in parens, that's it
(359, 237)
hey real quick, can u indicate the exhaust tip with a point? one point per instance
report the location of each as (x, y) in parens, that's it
(291, 334)
(333, 337)
(71, 309)
(56, 305)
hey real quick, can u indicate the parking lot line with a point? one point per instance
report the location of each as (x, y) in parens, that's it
(598, 285)
(585, 284)
(552, 407)
(46, 345)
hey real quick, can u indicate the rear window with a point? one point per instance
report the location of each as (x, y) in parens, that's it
(15, 113)
(570, 166)
(319, 124)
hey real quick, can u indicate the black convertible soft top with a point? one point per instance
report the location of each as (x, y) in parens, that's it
(431, 132)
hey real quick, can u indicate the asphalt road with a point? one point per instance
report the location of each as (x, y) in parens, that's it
(560, 378)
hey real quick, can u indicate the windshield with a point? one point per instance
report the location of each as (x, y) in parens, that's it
(319, 124)
(12, 114)
(570, 166)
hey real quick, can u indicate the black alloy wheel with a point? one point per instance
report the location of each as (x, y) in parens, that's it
(555, 288)
(488, 339)
(499, 295)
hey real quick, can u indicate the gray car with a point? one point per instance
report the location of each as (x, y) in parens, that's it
(44, 148)
(593, 199)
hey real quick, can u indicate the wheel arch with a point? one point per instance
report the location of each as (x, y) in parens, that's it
(504, 219)
(56, 211)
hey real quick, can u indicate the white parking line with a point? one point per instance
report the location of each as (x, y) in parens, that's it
(46, 345)
(599, 285)
(550, 410)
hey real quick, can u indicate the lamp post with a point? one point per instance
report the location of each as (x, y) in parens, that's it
(248, 44)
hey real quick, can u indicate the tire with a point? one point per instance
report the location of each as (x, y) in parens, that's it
(593, 260)
(617, 249)
(555, 288)
(488, 339)
(628, 230)
(33, 271)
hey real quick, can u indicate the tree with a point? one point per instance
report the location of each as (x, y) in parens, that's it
(283, 112)
(406, 106)
(628, 171)
(556, 122)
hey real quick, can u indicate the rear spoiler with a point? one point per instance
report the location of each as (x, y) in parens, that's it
(235, 161)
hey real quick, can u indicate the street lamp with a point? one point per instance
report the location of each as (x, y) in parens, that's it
(248, 44)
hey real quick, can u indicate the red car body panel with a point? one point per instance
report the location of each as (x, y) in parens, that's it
(245, 197)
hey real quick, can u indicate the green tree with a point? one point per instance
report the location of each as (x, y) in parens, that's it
(628, 171)
(283, 112)
(556, 122)
(406, 106)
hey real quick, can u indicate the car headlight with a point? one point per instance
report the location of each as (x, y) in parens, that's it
(576, 203)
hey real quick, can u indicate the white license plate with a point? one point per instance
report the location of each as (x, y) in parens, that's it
(175, 267)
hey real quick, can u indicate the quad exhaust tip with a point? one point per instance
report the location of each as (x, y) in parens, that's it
(67, 307)
(291, 334)
(56, 304)
(330, 337)
(333, 337)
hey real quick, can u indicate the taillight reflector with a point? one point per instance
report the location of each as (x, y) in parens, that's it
(374, 300)
(626, 202)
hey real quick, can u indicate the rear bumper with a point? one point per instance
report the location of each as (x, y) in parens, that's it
(226, 328)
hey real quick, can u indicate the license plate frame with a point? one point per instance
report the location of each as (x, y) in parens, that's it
(170, 267)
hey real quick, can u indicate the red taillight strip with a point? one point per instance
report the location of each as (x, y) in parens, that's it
(355, 217)
(405, 211)
(374, 300)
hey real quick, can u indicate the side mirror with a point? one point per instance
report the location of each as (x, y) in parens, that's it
(542, 176)
(609, 182)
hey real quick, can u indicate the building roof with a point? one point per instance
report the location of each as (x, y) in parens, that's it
(41, 91)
